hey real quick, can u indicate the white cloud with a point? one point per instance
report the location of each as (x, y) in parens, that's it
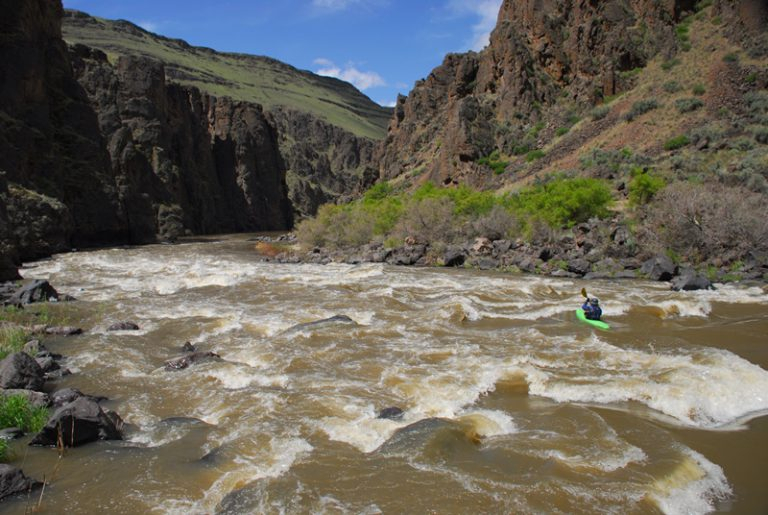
(360, 79)
(486, 10)
(333, 5)
(388, 103)
(149, 26)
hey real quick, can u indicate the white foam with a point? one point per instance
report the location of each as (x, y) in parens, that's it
(709, 389)
(693, 487)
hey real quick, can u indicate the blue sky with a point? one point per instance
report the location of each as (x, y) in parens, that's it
(381, 46)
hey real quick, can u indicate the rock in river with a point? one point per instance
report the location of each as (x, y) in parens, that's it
(79, 422)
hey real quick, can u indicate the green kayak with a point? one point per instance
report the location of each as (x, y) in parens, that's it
(595, 323)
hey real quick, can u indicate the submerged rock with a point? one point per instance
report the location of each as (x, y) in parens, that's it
(79, 422)
(336, 319)
(187, 347)
(123, 326)
(391, 413)
(13, 481)
(191, 359)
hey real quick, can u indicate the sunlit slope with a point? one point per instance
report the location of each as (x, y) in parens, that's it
(243, 77)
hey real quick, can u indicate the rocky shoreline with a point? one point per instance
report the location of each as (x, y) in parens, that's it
(593, 250)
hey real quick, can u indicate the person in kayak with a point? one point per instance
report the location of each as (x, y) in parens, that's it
(592, 310)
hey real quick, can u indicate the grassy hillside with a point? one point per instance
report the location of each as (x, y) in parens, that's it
(243, 77)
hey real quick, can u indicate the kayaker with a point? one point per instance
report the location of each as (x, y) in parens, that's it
(592, 310)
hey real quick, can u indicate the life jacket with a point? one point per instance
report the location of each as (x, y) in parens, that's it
(592, 312)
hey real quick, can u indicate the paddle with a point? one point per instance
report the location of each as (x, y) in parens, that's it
(584, 293)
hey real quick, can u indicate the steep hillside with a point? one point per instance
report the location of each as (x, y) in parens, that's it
(606, 137)
(248, 78)
(327, 130)
(560, 78)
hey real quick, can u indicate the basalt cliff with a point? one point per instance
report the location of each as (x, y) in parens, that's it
(526, 99)
(99, 149)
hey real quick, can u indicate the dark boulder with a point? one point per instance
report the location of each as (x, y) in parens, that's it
(579, 266)
(408, 255)
(485, 263)
(454, 255)
(187, 347)
(67, 395)
(48, 364)
(77, 423)
(391, 413)
(123, 326)
(191, 359)
(13, 481)
(34, 291)
(659, 268)
(20, 370)
(690, 280)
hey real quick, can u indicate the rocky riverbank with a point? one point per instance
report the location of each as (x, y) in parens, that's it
(593, 250)
(32, 373)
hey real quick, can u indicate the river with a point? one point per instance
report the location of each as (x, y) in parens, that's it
(510, 404)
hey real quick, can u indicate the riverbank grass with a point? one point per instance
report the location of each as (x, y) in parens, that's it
(16, 411)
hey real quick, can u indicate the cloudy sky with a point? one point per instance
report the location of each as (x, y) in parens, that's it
(380, 46)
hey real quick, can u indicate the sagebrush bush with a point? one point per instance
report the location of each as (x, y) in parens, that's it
(600, 112)
(686, 105)
(704, 221)
(672, 86)
(641, 107)
(677, 142)
(428, 220)
(499, 223)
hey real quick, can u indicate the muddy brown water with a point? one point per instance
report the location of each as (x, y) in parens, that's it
(510, 404)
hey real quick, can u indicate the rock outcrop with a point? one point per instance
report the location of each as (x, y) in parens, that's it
(540, 52)
(96, 152)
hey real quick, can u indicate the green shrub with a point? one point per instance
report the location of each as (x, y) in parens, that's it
(564, 202)
(672, 86)
(16, 411)
(641, 107)
(494, 162)
(562, 131)
(643, 186)
(534, 131)
(600, 112)
(519, 150)
(751, 78)
(699, 90)
(731, 58)
(686, 105)
(533, 155)
(677, 142)
(669, 64)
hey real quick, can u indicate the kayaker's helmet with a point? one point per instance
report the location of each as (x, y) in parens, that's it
(594, 301)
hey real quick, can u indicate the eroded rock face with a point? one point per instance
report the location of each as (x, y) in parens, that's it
(184, 160)
(540, 50)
